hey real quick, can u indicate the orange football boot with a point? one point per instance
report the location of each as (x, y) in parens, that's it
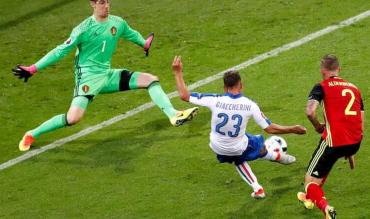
(26, 142)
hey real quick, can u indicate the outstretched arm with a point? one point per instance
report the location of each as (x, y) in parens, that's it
(56, 54)
(279, 129)
(273, 128)
(52, 57)
(180, 83)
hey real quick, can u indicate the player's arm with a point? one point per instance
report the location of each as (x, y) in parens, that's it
(57, 54)
(280, 129)
(351, 159)
(314, 99)
(312, 116)
(135, 37)
(180, 83)
(52, 57)
(363, 120)
(207, 100)
(273, 128)
(363, 116)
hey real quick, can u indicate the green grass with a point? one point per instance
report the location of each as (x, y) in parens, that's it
(143, 168)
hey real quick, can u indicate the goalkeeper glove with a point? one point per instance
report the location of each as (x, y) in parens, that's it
(25, 72)
(148, 43)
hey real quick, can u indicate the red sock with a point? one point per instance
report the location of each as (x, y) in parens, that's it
(316, 194)
(323, 181)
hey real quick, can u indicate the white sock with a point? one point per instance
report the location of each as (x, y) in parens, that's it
(272, 155)
(248, 176)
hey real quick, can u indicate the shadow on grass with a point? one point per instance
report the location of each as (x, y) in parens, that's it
(117, 147)
(268, 207)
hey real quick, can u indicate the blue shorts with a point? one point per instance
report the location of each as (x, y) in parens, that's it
(252, 152)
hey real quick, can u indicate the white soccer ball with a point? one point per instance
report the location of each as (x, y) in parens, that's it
(277, 144)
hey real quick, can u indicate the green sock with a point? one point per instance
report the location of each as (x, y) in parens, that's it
(161, 100)
(56, 122)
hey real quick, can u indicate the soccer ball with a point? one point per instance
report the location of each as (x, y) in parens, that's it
(277, 144)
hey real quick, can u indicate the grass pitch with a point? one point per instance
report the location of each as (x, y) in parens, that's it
(142, 167)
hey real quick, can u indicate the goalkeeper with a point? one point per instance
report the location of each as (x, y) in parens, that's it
(96, 39)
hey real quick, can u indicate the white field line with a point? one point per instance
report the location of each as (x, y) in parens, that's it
(200, 83)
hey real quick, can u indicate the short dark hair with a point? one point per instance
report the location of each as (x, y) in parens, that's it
(231, 78)
(329, 62)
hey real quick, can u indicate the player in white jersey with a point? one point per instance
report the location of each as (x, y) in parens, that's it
(230, 114)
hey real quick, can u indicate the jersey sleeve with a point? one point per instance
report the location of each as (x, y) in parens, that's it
(317, 93)
(60, 51)
(201, 99)
(258, 116)
(362, 105)
(132, 35)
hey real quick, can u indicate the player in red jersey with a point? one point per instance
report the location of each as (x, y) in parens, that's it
(342, 131)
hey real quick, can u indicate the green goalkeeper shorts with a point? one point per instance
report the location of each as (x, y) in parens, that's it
(111, 81)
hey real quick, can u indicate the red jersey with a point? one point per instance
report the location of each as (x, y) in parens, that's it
(342, 105)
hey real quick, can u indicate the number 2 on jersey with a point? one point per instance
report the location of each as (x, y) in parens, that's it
(236, 117)
(348, 111)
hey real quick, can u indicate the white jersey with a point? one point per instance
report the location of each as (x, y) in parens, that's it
(230, 115)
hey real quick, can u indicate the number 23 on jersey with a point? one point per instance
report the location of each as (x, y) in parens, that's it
(236, 120)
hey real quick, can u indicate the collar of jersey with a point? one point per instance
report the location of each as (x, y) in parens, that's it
(233, 96)
(96, 21)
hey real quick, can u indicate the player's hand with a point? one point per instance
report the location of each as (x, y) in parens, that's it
(148, 43)
(320, 128)
(25, 72)
(351, 161)
(300, 130)
(177, 65)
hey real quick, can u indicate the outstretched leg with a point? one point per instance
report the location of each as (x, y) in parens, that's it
(159, 97)
(73, 116)
(248, 176)
(277, 156)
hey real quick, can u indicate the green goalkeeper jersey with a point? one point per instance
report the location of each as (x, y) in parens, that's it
(95, 42)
